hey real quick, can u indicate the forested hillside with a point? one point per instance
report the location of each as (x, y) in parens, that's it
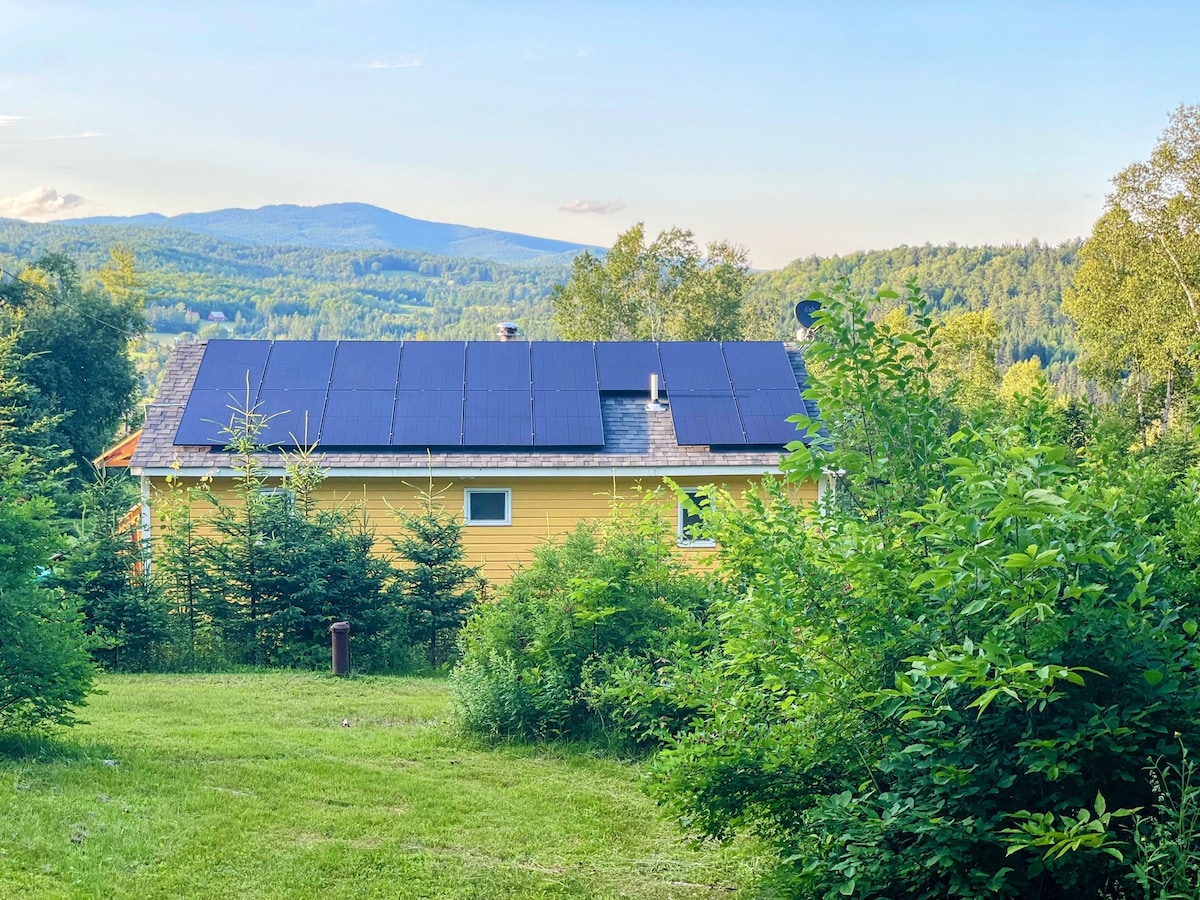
(311, 292)
(1021, 285)
(298, 291)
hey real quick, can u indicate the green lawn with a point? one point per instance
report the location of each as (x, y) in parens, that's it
(249, 786)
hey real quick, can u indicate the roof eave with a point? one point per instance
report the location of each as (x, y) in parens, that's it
(621, 471)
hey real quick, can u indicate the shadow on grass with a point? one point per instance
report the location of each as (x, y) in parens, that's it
(49, 746)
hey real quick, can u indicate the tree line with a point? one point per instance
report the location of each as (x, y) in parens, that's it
(684, 290)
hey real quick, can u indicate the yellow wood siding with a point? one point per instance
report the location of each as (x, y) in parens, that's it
(541, 508)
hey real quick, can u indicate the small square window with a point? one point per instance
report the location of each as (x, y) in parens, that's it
(690, 523)
(488, 507)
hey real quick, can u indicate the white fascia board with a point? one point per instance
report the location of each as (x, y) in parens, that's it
(487, 472)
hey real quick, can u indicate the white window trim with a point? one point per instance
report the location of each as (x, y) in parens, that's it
(507, 492)
(683, 539)
(281, 493)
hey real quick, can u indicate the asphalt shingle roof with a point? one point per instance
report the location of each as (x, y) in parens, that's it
(634, 438)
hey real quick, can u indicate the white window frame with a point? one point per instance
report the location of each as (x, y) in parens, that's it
(683, 539)
(507, 492)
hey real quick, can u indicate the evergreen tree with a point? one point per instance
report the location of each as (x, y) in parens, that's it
(45, 670)
(103, 568)
(435, 586)
(180, 575)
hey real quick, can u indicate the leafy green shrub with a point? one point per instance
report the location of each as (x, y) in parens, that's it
(946, 683)
(610, 599)
(494, 698)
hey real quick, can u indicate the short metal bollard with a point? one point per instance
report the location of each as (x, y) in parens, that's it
(341, 647)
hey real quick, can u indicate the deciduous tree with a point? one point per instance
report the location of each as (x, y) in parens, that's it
(667, 290)
(75, 339)
(1136, 297)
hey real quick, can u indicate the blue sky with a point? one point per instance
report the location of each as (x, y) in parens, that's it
(791, 128)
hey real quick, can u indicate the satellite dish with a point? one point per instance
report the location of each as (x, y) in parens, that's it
(805, 310)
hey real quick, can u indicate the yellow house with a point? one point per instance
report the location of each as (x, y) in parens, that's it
(520, 439)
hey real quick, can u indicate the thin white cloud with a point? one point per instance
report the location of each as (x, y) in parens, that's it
(72, 137)
(39, 203)
(5, 121)
(598, 207)
(402, 62)
(580, 54)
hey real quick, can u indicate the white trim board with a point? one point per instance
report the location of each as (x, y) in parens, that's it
(486, 472)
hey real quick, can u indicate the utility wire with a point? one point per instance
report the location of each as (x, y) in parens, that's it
(50, 295)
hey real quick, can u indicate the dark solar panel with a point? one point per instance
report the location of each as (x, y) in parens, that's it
(694, 366)
(563, 366)
(428, 418)
(498, 366)
(357, 418)
(293, 417)
(498, 419)
(705, 418)
(299, 366)
(567, 419)
(206, 418)
(758, 366)
(626, 365)
(366, 366)
(764, 415)
(226, 364)
(432, 365)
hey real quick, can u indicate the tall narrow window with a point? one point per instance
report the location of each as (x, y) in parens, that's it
(492, 506)
(691, 521)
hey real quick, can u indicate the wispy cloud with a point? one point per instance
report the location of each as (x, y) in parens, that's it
(39, 203)
(72, 137)
(400, 62)
(5, 121)
(599, 207)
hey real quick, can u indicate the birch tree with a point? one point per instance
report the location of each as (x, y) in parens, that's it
(1136, 297)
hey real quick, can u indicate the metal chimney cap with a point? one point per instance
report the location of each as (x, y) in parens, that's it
(506, 331)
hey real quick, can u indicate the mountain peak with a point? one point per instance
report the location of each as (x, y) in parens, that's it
(354, 226)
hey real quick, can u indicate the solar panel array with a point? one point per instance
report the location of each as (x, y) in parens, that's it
(486, 394)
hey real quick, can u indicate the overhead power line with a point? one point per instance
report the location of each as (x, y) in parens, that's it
(8, 277)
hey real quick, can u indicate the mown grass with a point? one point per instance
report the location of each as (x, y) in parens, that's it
(250, 786)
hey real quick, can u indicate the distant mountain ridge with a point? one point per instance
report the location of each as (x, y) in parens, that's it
(354, 226)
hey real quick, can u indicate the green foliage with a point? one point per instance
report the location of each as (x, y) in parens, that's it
(45, 671)
(180, 576)
(664, 291)
(275, 571)
(550, 655)
(75, 339)
(309, 292)
(433, 586)
(1136, 296)
(1021, 287)
(102, 568)
(1166, 864)
(877, 400)
(966, 348)
(925, 682)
